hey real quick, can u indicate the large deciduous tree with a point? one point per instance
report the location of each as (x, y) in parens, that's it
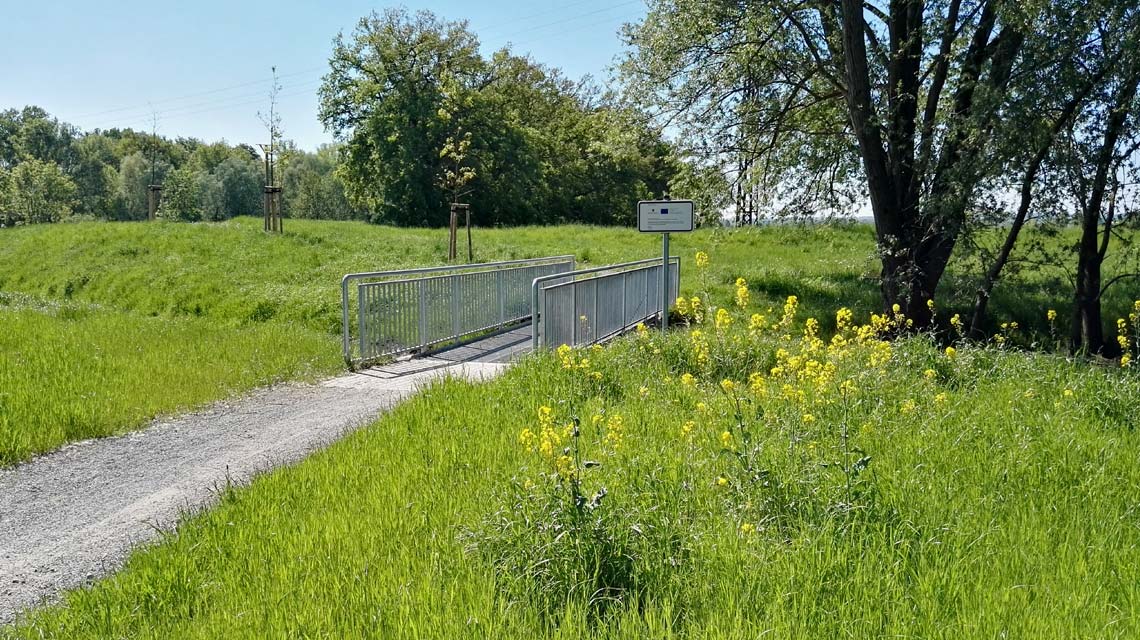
(37, 192)
(914, 93)
(424, 118)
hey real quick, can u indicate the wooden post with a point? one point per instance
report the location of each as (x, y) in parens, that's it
(453, 228)
(153, 196)
(470, 252)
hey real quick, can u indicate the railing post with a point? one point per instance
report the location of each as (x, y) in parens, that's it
(535, 314)
(360, 323)
(345, 338)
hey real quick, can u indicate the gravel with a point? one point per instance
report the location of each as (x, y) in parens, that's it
(72, 516)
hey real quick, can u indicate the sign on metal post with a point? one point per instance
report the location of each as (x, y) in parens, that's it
(665, 217)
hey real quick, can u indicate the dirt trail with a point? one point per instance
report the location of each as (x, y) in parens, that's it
(71, 516)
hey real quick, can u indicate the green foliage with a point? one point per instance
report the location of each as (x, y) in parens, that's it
(181, 196)
(311, 188)
(406, 91)
(37, 192)
(135, 175)
(990, 513)
(242, 182)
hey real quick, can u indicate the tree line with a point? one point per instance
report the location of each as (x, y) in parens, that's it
(421, 120)
(51, 171)
(971, 127)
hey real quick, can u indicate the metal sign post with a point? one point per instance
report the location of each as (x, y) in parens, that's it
(665, 217)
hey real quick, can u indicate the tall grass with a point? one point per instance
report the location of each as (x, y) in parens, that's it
(70, 372)
(972, 494)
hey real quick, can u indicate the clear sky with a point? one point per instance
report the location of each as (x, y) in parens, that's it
(204, 66)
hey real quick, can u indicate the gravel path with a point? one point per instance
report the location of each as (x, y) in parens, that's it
(71, 516)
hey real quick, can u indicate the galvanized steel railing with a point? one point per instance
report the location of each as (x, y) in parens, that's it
(592, 305)
(411, 309)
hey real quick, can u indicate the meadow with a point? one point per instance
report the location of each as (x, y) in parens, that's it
(746, 475)
(108, 325)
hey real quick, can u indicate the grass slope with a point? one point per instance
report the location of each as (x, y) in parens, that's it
(69, 372)
(235, 274)
(187, 314)
(998, 501)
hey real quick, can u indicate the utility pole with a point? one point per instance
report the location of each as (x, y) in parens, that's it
(153, 189)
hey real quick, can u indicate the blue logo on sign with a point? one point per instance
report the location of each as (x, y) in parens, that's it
(664, 211)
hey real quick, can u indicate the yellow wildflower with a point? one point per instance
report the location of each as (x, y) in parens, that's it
(808, 418)
(702, 259)
(564, 466)
(682, 305)
(643, 391)
(951, 352)
(940, 398)
(728, 385)
(1068, 393)
(848, 388)
(1051, 315)
(929, 374)
(747, 528)
(687, 428)
(687, 379)
(723, 319)
(908, 407)
(742, 294)
(726, 440)
(721, 481)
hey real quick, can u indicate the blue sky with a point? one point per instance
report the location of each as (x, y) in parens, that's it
(204, 66)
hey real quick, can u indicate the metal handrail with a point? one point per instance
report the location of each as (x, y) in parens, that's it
(624, 266)
(424, 271)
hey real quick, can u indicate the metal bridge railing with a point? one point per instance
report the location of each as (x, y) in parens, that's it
(592, 305)
(412, 309)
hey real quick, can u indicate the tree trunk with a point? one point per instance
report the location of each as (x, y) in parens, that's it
(1088, 330)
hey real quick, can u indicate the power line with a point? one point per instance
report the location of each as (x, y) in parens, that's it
(226, 102)
(485, 35)
(201, 93)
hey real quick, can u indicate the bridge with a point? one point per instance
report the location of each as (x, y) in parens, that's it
(495, 311)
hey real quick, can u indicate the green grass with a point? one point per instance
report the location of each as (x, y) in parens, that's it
(69, 372)
(1006, 509)
(190, 314)
(235, 274)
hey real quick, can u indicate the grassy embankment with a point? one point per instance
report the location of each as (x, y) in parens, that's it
(107, 325)
(794, 486)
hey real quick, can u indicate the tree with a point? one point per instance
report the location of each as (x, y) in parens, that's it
(383, 97)
(424, 118)
(134, 178)
(241, 182)
(38, 192)
(911, 93)
(1100, 144)
(211, 197)
(95, 177)
(181, 198)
